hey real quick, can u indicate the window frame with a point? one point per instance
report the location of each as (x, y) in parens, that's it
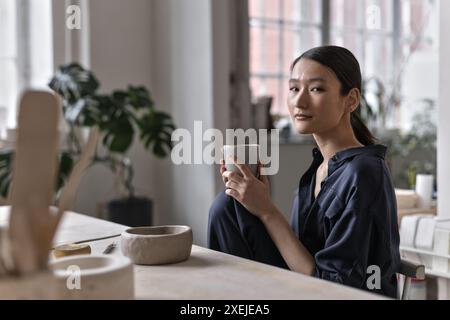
(32, 59)
(393, 37)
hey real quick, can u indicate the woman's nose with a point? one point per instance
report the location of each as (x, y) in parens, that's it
(301, 99)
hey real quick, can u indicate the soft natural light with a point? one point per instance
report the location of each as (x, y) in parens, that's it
(394, 41)
(26, 55)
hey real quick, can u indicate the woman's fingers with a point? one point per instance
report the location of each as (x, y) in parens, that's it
(245, 170)
(222, 170)
(230, 175)
(232, 193)
(262, 177)
(232, 185)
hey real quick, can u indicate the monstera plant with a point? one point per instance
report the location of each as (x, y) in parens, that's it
(120, 116)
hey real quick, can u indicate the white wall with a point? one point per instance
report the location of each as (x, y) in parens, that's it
(120, 54)
(443, 146)
(420, 78)
(183, 80)
(166, 45)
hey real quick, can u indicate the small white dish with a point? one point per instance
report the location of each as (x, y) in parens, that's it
(94, 277)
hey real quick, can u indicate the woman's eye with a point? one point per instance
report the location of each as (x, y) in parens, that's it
(316, 89)
(294, 89)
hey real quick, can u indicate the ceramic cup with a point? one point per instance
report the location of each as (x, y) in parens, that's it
(245, 153)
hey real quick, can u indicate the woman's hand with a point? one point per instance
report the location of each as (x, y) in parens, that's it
(251, 192)
(222, 170)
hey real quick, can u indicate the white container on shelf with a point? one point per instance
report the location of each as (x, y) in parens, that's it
(424, 190)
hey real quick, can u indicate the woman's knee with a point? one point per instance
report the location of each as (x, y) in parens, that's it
(220, 208)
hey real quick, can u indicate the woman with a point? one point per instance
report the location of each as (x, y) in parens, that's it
(344, 217)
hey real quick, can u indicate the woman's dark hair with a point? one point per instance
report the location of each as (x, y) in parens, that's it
(344, 64)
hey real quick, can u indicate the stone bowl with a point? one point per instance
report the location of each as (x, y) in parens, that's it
(157, 245)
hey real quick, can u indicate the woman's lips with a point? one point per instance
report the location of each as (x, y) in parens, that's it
(302, 117)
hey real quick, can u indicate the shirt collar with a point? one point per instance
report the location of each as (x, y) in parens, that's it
(377, 150)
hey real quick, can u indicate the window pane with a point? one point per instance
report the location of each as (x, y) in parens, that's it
(297, 42)
(275, 88)
(257, 86)
(303, 10)
(271, 9)
(379, 58)
(8, 87)
(256, 50)
(255, 8)
(7, 29)
(418, 27)
(378, 14)
(310, 37)
(291, 10)
(271, 51)
(291, 48)
(413, 17)
(282, 102)
(311, 11)
(346, 13)
(353, 41)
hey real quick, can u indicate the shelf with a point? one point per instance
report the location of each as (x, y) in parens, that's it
(439, 274)
(429, 271)
(429, 253)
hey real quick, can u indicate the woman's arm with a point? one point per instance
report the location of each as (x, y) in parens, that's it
(296, 256)
(254, 195)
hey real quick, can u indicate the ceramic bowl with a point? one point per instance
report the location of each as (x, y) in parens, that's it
(157, 245)
(94, 277)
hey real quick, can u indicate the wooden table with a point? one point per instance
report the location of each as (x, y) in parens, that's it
(207, 274)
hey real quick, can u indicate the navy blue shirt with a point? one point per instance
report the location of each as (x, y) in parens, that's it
(351, 227)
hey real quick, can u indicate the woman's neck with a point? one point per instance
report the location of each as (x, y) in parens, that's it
(333, 141)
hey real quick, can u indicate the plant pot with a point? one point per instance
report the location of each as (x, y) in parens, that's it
(131, 211)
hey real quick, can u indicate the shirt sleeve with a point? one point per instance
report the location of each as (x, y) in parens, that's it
(344, 258)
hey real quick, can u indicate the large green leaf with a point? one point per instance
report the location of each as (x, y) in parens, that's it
(5, 171)
(156, 130)
(117, 115)
(139, 97)
(6, 159)
(81, 111)
(72, 82)
(119, 135)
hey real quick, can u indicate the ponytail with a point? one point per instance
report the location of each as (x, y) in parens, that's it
(362, 133)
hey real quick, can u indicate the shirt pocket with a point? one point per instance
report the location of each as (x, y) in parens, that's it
(332, 206)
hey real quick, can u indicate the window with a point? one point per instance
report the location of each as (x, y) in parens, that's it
(279, 30)
(26, 58)
(8, 58)
(383, 34)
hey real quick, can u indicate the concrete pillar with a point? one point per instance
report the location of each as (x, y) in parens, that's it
(443, 126)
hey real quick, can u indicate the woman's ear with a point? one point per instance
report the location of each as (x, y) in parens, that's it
(353, 99)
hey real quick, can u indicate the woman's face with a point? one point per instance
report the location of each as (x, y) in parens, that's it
(314, 101)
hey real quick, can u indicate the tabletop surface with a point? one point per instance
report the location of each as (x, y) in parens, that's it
(207, 274)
